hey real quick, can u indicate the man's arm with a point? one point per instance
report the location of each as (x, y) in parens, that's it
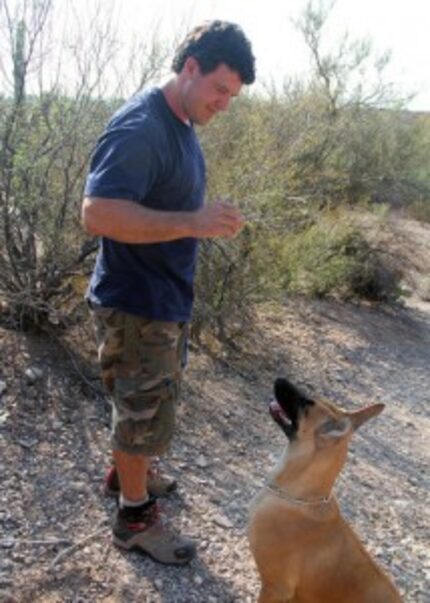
(128, 222)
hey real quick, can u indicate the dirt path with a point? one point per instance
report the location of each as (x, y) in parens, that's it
(54, 446)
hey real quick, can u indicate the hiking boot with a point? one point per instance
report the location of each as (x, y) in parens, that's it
(158, 485)
(142, 529)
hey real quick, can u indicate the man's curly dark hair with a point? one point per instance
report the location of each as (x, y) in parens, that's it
(217, 42)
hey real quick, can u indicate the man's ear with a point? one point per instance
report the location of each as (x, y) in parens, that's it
(332, 431)
(359, 417)
(191, 66)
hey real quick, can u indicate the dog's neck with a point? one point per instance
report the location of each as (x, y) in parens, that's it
(301, 478)
(311, 504)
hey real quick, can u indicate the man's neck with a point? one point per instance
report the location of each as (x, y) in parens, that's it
(173, 99)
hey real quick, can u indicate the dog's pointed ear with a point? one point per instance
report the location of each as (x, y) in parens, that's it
(358, 417)
(334, 430)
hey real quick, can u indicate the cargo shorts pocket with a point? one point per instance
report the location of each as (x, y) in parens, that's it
(143, 422)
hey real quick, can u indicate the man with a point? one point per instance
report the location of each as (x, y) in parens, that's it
(144, 198)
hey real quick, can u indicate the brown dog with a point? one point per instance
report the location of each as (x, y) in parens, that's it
(305, 551)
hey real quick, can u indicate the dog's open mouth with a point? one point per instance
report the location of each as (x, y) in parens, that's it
(288, 406)
(279, 415)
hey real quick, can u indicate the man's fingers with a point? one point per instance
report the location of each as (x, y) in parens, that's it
(220, 219)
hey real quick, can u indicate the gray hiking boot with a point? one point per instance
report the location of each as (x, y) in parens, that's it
(160, 484)
(142, 529)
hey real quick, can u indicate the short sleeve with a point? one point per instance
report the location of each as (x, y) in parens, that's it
(125, 164)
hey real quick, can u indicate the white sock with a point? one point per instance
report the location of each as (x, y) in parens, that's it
(124, 502)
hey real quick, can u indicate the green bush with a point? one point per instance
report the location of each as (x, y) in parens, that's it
(282, 156)
(424, 289)
(232, 277)
(419, 210)
(333, 258)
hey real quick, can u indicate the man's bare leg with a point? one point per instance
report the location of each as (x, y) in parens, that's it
(133, 474)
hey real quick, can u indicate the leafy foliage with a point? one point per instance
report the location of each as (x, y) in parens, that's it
(333, 258)
(285, 158)
(47, 135)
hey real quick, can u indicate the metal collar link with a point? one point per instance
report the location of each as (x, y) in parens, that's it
(300, 502)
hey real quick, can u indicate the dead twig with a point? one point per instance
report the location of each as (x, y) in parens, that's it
(101, 527)
(10, 542)
(75, 365)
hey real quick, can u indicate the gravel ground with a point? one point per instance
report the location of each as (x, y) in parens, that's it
(55, 543)
(54, 521)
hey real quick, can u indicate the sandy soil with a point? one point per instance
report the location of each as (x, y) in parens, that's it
(54, 521)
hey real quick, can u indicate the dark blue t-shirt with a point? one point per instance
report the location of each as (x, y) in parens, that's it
(150, 156)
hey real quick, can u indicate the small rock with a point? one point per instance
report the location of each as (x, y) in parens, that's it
(198, 580)
(3, 387)
(222, 521)
(33, 374)
(80, 487)
(4, 417)
(6, 565)
(27, 442)
(202, 462)
(401, 503)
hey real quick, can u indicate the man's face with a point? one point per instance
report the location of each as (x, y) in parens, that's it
(205, 95)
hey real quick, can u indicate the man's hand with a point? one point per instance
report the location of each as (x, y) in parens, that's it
(218, 219)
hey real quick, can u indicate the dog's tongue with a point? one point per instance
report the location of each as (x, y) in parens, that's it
(275, 409)
(278, 412)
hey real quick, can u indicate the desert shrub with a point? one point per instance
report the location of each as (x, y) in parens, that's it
(282, 157)
(47, 141)
(245, 168)
(231, 279)
(282, 161)
(48, 129)
(333, 258)
(419, 210)
(318, 144)
(424, 289)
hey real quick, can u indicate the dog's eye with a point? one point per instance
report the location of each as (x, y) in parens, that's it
(334, 428)
(329, 426)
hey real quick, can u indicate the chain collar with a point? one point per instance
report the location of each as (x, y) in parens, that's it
(299, 502)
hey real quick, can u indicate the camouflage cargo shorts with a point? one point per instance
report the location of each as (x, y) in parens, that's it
(142, 362)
